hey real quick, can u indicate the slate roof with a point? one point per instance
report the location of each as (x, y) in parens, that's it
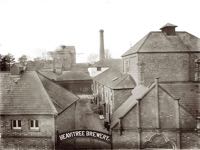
(114, 79)
(73, 75)
(159, 42)
(138, 92)
(49, 74)
(6, 85)
(189, 94)
(61, 98)
(26, 96)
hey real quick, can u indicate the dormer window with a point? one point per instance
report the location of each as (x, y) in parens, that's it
(197, 69)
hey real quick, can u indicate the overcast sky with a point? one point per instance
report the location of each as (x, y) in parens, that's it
(32, 27)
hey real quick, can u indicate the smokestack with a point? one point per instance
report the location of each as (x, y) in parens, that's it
(101, 51)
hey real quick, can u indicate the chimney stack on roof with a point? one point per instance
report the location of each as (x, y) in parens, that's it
(101, 51)
(169, 29)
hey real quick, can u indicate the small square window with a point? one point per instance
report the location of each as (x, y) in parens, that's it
(98, 68)
(16, 124)
(34, 124)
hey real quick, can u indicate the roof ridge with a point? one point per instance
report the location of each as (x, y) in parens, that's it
(49, 99)
(57, 85)
(123, 79)
(183, 42)
(147, 36)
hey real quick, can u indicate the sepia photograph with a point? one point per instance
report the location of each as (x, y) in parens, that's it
(99, 74)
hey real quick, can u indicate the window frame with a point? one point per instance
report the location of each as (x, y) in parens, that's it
(197, 69)
(17, 123)
(34, 124)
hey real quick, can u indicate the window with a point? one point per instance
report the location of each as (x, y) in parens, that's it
(126, 66)
(197, 69)
(98, 68)
(34, 124)
(198, 123)
(16, 124)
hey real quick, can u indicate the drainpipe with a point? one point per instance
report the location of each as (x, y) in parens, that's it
(121, 127)
(157, 101)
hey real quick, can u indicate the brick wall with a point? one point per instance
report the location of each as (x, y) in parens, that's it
(132, 65)
(128, 140)
(190, 140)
(167, 66)
(151, 134)
(168, 111)
(77, 87)
(149, 111)
(66, 120)
(193, 56)
(26, 136)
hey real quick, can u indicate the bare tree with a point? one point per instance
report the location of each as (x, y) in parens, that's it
(92, 58)
(107, 54)
(23, 60)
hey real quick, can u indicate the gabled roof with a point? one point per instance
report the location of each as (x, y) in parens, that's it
(6, 85)
(61, 98)
(137, 93)
(189, 94)
(26, 96)
(159, 42)
(125, 81)
(114, 79)
(73, 75)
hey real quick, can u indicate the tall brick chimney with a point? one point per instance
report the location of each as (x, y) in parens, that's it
(101, 50)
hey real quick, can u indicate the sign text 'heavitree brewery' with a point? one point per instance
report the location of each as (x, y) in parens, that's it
(85, 133)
